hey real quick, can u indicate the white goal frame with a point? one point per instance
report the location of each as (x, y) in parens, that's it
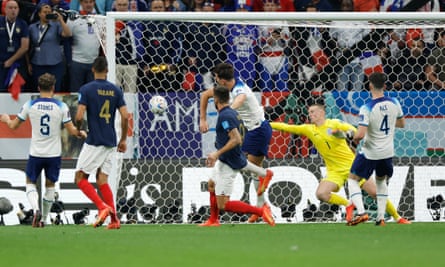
(255, 16)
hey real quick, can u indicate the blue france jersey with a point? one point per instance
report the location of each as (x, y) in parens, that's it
(102, 99)
(228, 119)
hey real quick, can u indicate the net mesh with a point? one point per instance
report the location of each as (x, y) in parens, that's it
(287, 63)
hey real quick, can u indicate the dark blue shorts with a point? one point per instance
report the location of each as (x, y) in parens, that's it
(364, 167)
(256, 142)
(50, 165)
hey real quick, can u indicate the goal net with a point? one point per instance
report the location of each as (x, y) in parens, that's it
(288, 59)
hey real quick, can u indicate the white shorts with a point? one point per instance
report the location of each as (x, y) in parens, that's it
(224, 176)
(92, 158)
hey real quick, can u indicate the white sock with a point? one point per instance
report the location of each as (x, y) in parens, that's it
(260, 199)
(33, 196)
(355, 194)
(259, 171)
(48, 200)
(382, 198)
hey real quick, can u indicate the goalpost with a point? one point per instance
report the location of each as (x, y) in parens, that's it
(164, 181)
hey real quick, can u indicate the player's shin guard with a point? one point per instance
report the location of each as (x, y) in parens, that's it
(107, 195)
(214, 211)
(33, 196)
(48, 200)
(242, 207)
(356, 196)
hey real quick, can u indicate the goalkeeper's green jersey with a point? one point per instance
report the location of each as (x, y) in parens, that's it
(329, 142)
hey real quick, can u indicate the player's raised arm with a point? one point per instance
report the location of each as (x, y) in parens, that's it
(289, 128)
(205, 96)
(12, 124)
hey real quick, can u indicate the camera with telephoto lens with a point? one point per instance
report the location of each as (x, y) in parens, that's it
(66, 14)
(52, 16)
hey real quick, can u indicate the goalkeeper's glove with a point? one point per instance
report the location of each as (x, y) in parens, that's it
(350, 137)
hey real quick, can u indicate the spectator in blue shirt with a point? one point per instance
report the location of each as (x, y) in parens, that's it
(46, 54)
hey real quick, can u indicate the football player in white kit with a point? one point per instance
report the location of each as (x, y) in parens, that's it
(257, 137)
(377, 123)
(46, 115)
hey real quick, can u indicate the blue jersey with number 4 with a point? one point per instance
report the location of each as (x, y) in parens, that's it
(102, 99)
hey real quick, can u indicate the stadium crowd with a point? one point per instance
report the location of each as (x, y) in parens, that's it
(157, 56)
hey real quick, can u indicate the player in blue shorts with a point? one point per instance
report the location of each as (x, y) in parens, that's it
(227, 162)
(100, 99)
(46, 114)
(259, 133)
(378, 120)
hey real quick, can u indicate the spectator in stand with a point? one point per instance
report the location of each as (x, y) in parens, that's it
(174, 5)
(54, 4)
(65, 5)
(129, 49)
(435, 69)
(163, 53)
(242, 47)
(351, 75)
(45, 53)
(408, 72)
(232, 5)
(320, 5)
(85, 47)
(203, 49)
(366, 5)
(197, 5)
(273, 67)
(208, 6)
(14, 42)
(100, 7)
(427, 34)
(133, 5)
(286, 6)
(26, 9)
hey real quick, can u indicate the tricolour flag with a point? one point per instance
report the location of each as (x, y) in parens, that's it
(14, 81)
(320, 59)
(371, 62)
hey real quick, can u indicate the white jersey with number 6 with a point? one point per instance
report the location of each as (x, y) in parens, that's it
(380, 116)
(47, 116)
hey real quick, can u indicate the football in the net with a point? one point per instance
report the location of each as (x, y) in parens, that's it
(158, 104)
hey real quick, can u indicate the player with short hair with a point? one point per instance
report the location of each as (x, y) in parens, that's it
(378, 120)
(100, 99)
(46, 114)
(257, 138)
(227, 162)
(329, 138)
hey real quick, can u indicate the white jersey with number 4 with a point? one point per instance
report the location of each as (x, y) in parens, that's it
(47, 116)
(251, 112)
(380, 116)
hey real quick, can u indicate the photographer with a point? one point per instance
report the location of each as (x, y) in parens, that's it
(45, 54)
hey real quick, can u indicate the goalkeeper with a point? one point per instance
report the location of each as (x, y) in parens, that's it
(328, 137)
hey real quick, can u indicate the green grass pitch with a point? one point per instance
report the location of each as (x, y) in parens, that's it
(315, 244)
